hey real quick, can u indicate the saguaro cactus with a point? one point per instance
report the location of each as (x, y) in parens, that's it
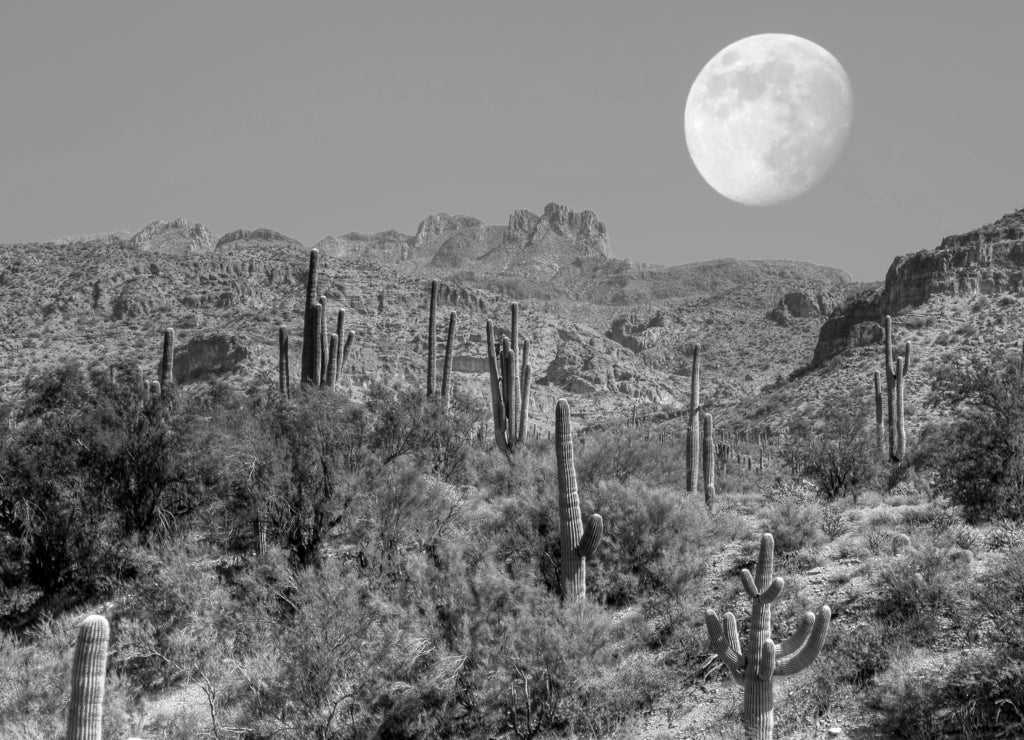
(693, 426)
(707, 441)
(879, 433)
(576, 543)
(88, 676)
(895, 373)
(341, 340)
(332, 362)
(167, 361)
(901, 426)
(344, 353)
(311, 326)
(322, 316)
(449, 354)
(283, 374)
(756, 667)
(431, 338)
(510, 389)
(316, 350)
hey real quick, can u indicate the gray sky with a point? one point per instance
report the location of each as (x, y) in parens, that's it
(325, 118)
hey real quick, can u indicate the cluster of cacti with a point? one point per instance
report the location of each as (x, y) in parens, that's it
(576, 543)
(693, 426)
(323, 354)
(447, 377)
(510, 388)
(88, 677)
(895, 371)
(755, 667)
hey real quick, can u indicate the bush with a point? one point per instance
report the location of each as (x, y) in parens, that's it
(795, 525)
(980, 457)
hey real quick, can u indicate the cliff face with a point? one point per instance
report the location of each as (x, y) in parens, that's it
(982, 261)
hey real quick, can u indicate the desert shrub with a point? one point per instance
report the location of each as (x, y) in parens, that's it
(654, 541)
(919, 588)
(795, 525)
(837, 451)
(980, 457)
(622, 455)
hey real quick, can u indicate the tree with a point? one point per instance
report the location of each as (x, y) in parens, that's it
(980, 456)
(837, 450)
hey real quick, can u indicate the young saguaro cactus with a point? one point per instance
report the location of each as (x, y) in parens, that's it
(510, 389)
(707, 442)
(311, 326)
(88, 677)
(167, 361)
(756, 667)
(693, 426)
(894, 375)
(332, 362)
(576, 543)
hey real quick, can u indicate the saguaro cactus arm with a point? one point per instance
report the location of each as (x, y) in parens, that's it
(725, 641)
(796, 659)
(88, 677)
(591, 536)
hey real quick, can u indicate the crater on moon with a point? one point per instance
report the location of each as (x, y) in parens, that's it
(767, 117)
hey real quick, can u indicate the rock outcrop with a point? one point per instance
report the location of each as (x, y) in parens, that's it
(982, 261)
(206, 356)
(178, 237)
(244, 239)
(387, 247)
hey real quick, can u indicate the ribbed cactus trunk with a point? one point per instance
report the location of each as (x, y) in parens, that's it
(879, 421)
(316, 349)
(514, 395)
(895, 374)
(449, 356)
(756, 667)
(576, 544)
(901, 425)
(283, 374)
(311, 326)
(341, 340)
(524, 390)
(167, 361)
(332, 362)
(348, 347)
(708, 461)
(88, 677)
(693, 426)
(432, 338)
(323, 347)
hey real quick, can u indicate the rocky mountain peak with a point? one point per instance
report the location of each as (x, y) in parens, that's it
(438, 224)
(587, 236)
(256, 238)
(179, 237)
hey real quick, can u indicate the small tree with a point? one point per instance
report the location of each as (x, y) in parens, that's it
(837, 451)
(980, 456)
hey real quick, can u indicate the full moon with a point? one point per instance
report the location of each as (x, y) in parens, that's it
(767, 117)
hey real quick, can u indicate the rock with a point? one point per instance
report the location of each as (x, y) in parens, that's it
(173, 237)
(801, 305)
(386, 246)
(205, 356)
(242, 239)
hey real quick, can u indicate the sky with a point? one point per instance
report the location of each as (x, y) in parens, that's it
(324, 118)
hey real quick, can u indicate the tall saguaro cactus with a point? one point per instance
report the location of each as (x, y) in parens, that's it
(88, 676)
(449, 356)
(693, 426)
(310, 326)
(283, 374)
(755, 667)
(510, 388)
(707, 442)
(323, 347)
(894, 375)
(576, 543)
(879, 426)
(332, 363)
(432, 338)
(167, 361)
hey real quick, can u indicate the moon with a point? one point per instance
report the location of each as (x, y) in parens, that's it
(767, 118)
